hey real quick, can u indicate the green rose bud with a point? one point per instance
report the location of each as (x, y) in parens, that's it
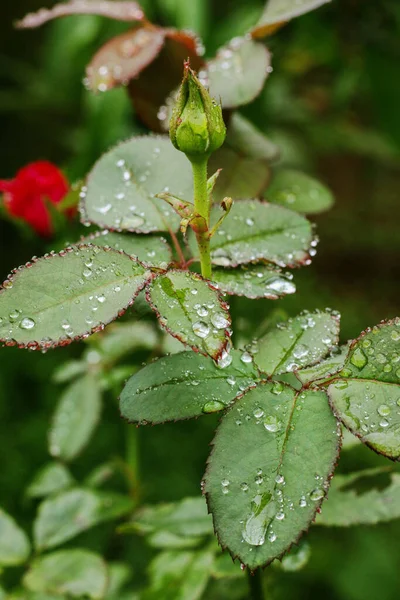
(196, 127)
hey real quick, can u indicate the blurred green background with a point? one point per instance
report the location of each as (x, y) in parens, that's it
(332, 104)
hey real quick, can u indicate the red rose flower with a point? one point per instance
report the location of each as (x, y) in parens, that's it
(25, 196)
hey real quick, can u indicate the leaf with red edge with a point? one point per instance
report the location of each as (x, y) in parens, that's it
(258, 231)
(277, 12)
(149, 99)
(120, 11)
(121, 186)
(237, 74)
(268, 473)
(124, 57)
(191, 310)
(66, 296)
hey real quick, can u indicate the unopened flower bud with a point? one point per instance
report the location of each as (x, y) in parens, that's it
(197, 127)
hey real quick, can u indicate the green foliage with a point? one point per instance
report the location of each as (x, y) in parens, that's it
(51, 478)
(238, 72)
(67, 514)
(85, 287)
(76, 573)
(257, 231)
(298, 343)
(14, 544)
(278, 439)
(299, 192)
(122, 185)
(191, 310)
(75, 419)
(366, 393)
(373, 504)
(286, 446)
(183, 386)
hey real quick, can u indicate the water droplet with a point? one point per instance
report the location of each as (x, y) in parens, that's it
(280, 516)
(27, 323)
(272, 424)
(201, 329)
(246, 358)
(244, 487)
(358, 358)
(384, 410)
(219, 321)
(317, 494)
(13, 316)
(258, 413)
(213, 406)
(263, 511)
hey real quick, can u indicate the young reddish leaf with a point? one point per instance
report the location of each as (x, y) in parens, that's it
(192, 310)
(66, 296)
(278, 12)
(365, 395)
(149, 99)
(258, 231)
(268, 473)
(237, 74)
(124, 57)
(121, 186)
(120, 11)
(183, 386)
(258, 281)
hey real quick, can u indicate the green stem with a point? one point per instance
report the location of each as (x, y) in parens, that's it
(202, 208)
(255, 585)
(132, 459)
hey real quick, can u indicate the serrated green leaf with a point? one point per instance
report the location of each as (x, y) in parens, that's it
(190, 309)
(241, 177)
(75, 419)
(123, 338)
(51, 478)
(258, 231)
(366, 394)
(238, 72)
(326, 368)
(74, 572)
(261, 281)
(298, 342)
(66, 296)
(277, 12)
(183, 524)
(14, 543)
(247, 140)
(122, 185)
(183, 386)
(299, 191)
(150, 250)
(286, 446)
(67, 514)
(179, 575)
(346, 506)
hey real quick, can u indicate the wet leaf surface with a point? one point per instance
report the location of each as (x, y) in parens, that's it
(298, 342)
(261, 281)
(65, 296)
(286, 446)
(278, 12)
(190, 309)
(122, 185)
(366, 394)
(185, 385)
